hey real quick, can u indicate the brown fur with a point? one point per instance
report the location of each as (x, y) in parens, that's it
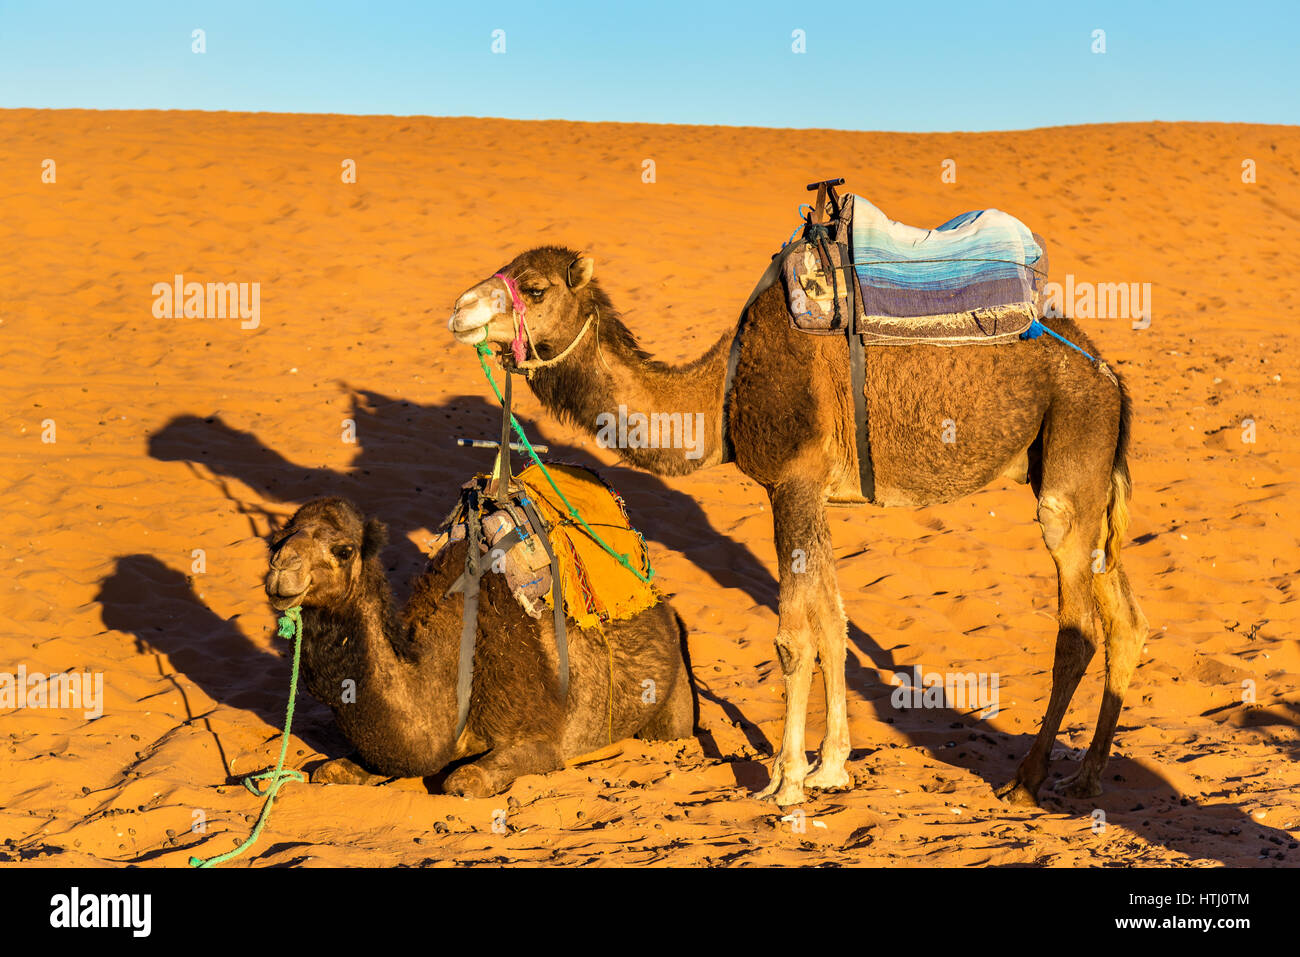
(403, 664)
(1034, 410)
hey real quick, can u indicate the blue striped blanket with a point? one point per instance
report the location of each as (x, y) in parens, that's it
(979, 261)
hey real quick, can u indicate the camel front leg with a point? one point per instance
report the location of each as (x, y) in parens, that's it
(828, 772)
(343, 771)
(498, 769)
(804, 553)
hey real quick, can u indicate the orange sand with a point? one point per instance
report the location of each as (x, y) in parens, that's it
(183, 434)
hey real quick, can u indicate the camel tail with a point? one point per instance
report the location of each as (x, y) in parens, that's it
(1121, 483)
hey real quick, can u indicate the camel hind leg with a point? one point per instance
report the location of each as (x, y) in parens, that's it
(1126, 629)
(1066, 532)
(676, 716)
(1074, 490)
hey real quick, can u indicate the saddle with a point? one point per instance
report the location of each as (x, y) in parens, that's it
(975, 279)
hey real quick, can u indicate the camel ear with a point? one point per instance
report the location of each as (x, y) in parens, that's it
(580, 270)
(375, 539)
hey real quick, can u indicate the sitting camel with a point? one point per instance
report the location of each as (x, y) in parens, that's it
(1034, 410)
(390, 677)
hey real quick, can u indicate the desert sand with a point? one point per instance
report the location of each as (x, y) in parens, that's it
(173, 435)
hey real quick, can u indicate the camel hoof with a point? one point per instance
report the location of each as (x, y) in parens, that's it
(1078, 785)
(783, 791)
(829, 778)
(341, 771)
(1017, 794)
(467, 782)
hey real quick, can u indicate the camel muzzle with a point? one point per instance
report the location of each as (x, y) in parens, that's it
(285, 587)
(470, 318)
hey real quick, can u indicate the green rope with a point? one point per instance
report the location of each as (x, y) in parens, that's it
(290, 627)
(483, 353)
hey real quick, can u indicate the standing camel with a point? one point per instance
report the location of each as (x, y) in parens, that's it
(1034, 410)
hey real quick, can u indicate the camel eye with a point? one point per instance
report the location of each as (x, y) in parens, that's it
(344, 552)
(535, 293)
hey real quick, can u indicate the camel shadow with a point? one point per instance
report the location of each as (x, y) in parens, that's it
(1260, 718)
(407, 471)
(158, 605)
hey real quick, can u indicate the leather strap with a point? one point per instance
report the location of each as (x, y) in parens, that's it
(557, 595)
(469, 620)
(858, 377)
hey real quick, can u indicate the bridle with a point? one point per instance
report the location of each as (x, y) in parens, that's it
(518, 349)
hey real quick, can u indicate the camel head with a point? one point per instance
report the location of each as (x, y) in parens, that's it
(316, 559)
(553, 286)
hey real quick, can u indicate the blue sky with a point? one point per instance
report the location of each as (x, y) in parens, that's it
(924, 66)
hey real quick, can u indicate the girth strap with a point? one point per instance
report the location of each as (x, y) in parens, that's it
(557, 595)
(857, 368)
(858, 380)
(469, 623)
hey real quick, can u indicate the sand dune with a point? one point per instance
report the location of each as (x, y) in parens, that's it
(181, 434)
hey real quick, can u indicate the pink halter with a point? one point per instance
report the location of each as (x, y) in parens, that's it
(517, 346)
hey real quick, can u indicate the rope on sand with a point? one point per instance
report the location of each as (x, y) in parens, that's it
(290, 627)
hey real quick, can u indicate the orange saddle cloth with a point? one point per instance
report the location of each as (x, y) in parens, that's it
(596, 586)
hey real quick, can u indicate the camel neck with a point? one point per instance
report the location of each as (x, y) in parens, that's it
(354, 640)
(662, 418)
(393, 701)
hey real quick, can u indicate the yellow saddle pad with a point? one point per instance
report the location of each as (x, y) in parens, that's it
(596, 586)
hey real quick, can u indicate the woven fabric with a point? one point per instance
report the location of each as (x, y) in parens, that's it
(981, 260)
(596, 586)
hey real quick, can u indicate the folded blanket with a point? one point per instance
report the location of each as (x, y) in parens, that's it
(982, 260)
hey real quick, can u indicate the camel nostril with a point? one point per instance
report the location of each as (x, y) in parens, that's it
(290, 571)
(286, 584)
(286, 563)
(461, 321)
